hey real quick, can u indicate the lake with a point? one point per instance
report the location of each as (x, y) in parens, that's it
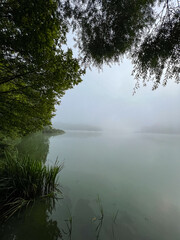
(114, 186)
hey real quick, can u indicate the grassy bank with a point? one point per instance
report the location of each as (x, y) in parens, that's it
(23, 180)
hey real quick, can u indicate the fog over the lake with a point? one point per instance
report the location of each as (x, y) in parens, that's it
(105, 100)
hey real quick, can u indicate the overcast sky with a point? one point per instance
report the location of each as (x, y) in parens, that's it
(105, 99)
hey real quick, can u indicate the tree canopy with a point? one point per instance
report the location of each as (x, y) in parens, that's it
(109, 29)
(34, 69)
(158, 56)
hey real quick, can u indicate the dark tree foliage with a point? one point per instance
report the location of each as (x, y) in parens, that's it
(34, 69)
(109, 29)
(158, 56)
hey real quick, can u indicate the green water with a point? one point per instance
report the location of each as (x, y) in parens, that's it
(135, 176)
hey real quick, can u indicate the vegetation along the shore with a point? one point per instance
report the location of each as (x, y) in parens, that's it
(52, 131)
(22, 181)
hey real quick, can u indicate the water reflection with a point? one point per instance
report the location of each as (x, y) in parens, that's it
(35, 145)
(82, 134)
(138, 176)
(56, 221)
(83, 215)
(34, 224)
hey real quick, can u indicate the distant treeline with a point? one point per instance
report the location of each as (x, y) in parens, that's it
(76, 127)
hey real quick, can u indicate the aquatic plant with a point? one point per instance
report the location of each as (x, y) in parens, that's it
(114, 223)
(22, 180)
(100, 219)
(69, 225)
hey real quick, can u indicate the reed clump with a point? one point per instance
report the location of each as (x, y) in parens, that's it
(22, 180)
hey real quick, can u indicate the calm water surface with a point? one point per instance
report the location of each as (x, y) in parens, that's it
(114, 186)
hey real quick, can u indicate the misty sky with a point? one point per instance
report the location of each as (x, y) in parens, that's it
(105, 99)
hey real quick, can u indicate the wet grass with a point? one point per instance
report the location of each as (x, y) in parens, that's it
(22, 180)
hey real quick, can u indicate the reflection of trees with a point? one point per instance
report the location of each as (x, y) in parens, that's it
(35, 145)
(34, 224)
(83, 227)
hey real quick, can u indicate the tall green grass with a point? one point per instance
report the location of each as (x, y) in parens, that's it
(22, 180)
